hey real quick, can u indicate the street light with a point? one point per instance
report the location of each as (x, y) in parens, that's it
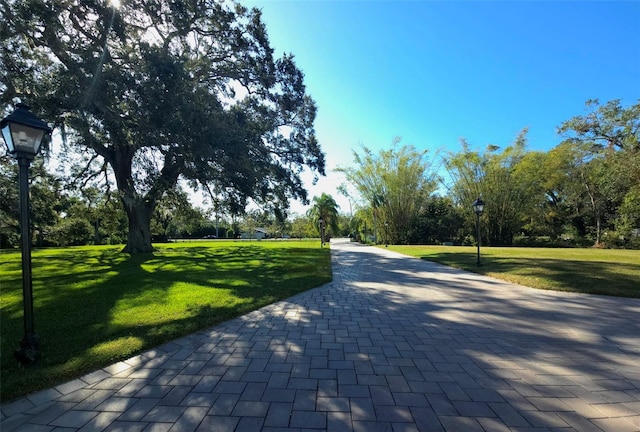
(321, 223)
(24, 133)
(386, 234)
(478, 208)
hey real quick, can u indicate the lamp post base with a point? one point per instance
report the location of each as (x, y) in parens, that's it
(29, 352)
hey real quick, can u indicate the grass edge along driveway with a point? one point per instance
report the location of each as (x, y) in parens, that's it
(593, 271)
(94, 306)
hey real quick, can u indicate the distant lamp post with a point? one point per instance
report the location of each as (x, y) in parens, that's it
(386, 234)
(478, 208)
(321, 226)
(24, 133)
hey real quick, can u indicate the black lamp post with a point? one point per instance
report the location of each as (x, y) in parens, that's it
(386, 234)
(478, 208)
(321, 223)
(24, 133)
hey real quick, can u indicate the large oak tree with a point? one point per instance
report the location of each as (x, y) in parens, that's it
(607, 140)
(155, 91)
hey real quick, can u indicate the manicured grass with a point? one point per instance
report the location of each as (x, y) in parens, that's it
(593, 271)
(94, 305)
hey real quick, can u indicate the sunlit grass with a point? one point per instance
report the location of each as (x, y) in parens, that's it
(94, 305)
(595, 271)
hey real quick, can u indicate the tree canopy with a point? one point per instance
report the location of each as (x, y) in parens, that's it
(585, 187)
(610, 125)
(607, 178)
(325, 208)
(154, 91)
(493, 176)
(394, 185)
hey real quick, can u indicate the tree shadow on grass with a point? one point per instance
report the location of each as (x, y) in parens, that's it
(593, 277)
(87, 307)
(443, 348)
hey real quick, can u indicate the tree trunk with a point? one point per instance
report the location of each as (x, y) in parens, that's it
(139, 213)
(139, 208)
(96, 232)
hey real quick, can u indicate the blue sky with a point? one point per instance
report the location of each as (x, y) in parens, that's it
(432, 72)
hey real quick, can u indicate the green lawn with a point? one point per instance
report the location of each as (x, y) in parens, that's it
(94, 305)
(593, 271)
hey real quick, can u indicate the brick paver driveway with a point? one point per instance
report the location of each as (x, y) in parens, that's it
(392, 344)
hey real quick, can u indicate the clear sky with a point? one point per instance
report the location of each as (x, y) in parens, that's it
(432, 72)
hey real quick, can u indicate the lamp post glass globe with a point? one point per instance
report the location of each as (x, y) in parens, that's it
(24, 133)
(478, 206)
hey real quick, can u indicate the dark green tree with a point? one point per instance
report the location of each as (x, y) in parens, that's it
(175, 216)
(608, 140)
(606, 126)
(46, 201)
(71, 232)
(440, 221)
(325, 208)
(102, 210)
(549, 209)
(155, 91)
(302, 226)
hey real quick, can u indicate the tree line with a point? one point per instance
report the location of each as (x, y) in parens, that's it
(62, 215)
(585, 191)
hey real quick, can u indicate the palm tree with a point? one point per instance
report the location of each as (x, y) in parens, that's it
(325, 208)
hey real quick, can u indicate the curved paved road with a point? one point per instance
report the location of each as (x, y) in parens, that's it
(392, 344)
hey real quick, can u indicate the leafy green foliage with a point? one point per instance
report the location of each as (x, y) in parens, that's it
(439, 221)
(94, 306)
(155, 91)
(493, 176)
(46, 201)
(393, 183)
(582, 189)
(325, 208)
(175, 217)
(72, 232)
(608, 142)
(606, 126)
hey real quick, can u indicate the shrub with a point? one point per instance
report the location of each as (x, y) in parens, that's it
(71, 232)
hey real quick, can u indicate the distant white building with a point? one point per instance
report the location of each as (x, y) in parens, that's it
(258, 234)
